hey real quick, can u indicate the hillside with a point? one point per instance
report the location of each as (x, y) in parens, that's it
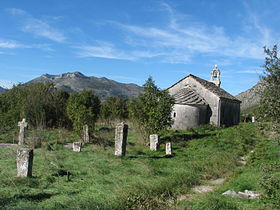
(104, 87)
(144, 179)
(250, 98)
(2, 90)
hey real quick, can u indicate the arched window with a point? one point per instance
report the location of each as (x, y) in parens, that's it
(215, 75)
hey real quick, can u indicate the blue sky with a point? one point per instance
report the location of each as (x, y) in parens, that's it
(129, 40)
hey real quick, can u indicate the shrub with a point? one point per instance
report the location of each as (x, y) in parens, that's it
(270, 181)
(151, 111)
(83, 108)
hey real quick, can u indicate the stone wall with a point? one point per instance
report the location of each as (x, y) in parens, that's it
(186, 116)
(230, 112)
(211, 98)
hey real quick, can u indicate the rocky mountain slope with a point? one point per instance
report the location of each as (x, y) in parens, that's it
(2, 90)
(251, 97)
(76, 81)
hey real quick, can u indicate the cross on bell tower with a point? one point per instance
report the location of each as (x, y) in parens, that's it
(215, 76)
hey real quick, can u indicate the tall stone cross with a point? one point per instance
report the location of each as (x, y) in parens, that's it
(22, 125)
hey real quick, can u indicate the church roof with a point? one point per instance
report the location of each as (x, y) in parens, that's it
(215, 89)
(211, 87)
(188, 96)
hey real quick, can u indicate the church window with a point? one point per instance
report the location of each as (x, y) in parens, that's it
(174, 114)
(215, 75)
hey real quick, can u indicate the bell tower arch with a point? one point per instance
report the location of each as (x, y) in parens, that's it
(215, 76)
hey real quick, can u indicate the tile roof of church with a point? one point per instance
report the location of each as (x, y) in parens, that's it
(215, 89)
(210, 86)
(188, 96)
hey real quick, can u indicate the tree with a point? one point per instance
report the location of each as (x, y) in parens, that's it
(114, 108)
(40, 103)
(83, 108)
(270, 95)
(152, 109)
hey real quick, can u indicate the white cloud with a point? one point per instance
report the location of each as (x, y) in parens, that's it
(102, 50)
(37, 27)
(108, 50)
(183, 38)
(250, 72)
(10, 44)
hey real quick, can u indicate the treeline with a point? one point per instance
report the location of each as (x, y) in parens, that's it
(44, 106)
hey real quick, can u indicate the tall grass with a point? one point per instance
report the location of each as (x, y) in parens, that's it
(141, 180)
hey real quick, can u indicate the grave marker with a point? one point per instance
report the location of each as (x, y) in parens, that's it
(168, 148)
(120, 139)
(77, 146)
(86, 134)
(24, 162)
(154, 142)
(22, 125)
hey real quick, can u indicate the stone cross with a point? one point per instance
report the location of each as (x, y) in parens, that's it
(86, 135)
(77, 146)
(22, 125)
(154, 142)
(168, 148)
(24, 162)
(120, 139)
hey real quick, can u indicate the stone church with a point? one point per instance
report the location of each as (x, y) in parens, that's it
(198, 102)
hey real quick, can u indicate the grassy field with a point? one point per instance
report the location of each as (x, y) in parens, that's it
(143, 179)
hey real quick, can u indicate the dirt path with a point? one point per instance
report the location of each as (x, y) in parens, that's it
(210, 187)
(7, 145)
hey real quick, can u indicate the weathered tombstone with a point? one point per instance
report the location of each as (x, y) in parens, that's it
(253, 119)
(120, 139)
(168, 148)
(77, 146)
(24, 162)
(22, 125)
(154, 142)
(86, 135)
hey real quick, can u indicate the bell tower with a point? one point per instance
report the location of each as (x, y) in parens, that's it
(215, 76)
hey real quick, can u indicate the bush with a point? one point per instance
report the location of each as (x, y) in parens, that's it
(151, 111)
(270, 181)
(83, 109)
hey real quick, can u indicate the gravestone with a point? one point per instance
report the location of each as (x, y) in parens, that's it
(120, 139)
(77, 146)
(24, 162)
(168, 148)
(154, 142)
(253, 119)
(22, 125)
(86, 135)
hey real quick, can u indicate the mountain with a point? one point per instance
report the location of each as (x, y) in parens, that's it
(2, 90)
(76, 81)
(250, 98)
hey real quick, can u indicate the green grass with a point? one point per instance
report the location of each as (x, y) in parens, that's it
(140, 180)
(261, 174)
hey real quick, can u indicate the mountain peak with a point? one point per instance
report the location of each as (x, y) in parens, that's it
(104, 87)
(73, 75)
(251, 97)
